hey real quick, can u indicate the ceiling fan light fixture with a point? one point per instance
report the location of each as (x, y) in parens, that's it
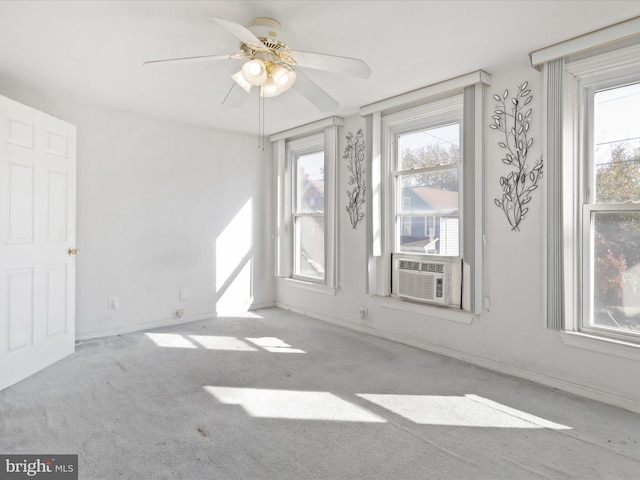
(254, 72)
(269, 88)
(283, 77)
(238, 77)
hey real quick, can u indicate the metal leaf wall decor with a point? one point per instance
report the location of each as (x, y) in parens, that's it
(354, 154)
(513, 119)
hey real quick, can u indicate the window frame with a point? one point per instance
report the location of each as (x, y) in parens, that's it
(589, 205)
(473, 87)
(609, 56)
(435, 114)
(323, 132)
(295, 150)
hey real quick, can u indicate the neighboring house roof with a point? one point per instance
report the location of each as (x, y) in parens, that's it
(437, 199)
(317, 184)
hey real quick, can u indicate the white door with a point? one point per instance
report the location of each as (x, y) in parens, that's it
(37, 231)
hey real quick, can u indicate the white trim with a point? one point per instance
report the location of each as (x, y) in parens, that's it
(433, 312)
(331, 251)
(430, 115)
(588, 41)
(424, 93)
(376, 186)
(312, 287)
(307, 129)
(166, 322)
(312, 143)
(281, 199)
(585, 391)
(474, 232)
(600, 344)
(261, 305)
(615, 63)
(374, 194)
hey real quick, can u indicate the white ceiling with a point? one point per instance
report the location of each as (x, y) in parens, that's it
(92, 52)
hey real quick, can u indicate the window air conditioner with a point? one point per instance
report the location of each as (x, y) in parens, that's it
(425, 281)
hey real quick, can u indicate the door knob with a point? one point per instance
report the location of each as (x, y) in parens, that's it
(74, 251)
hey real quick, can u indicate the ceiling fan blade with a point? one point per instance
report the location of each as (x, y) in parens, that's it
(312, 92)
(240, 31)
(332, 63)
(201, 58)
(235, 97)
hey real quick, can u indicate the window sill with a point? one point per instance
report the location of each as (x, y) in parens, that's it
(604, 345)
(313, 287)
(439, 313)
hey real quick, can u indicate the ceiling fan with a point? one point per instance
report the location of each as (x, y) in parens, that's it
(273, 67)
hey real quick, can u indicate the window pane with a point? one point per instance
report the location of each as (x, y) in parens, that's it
(617, 144)
(616, 266)
(310, 183)
(429, 192)
(429, 147)
(429, 234)
(309, 247)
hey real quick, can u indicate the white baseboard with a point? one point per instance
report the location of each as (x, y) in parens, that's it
(108, 332)
(258, 306)
(549, 381)
(168, 322)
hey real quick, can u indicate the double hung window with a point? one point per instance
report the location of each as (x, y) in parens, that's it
(611, 210)
(305, 169)
(308, 213)
(426, 196)
(426, 179)
(592, 88)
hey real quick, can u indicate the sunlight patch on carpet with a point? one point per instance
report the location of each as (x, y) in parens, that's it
(462, 411)
(292, 404)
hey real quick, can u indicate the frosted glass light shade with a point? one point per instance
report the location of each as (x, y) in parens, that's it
(254, 72)
(283, 77)
(240, 80)
(269, 88)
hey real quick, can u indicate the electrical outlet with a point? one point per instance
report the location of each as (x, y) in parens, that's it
(180, 313)
(113, 303)
(363, 313)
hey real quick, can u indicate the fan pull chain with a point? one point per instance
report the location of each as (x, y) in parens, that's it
(260, 114)
(261, 136)
(262, 123)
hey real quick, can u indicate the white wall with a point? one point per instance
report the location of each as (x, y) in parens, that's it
(510, 337)
(163, 207)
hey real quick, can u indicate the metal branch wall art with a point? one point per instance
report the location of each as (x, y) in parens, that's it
(354, 153)
(513, 119)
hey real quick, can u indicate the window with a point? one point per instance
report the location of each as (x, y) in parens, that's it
(305, 164)
(427, 170)
(429, 227)
(611, 212)
(308, 215)
(593, 185)
(405, 225)
(425, 196)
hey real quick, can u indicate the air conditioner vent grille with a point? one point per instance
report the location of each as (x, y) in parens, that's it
(432, 267)
(424, 281)
(418, 286)
(409, 265)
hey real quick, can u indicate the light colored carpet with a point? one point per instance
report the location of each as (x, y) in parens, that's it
(276, 395)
